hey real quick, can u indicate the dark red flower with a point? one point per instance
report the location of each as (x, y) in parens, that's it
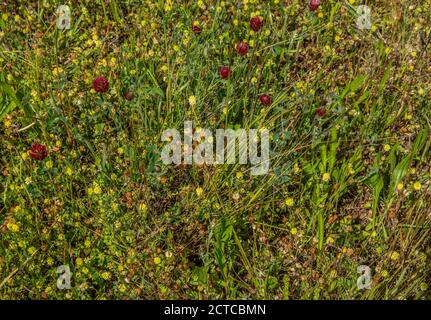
(101, 84)
(314, 5)
(255, 23)
(196, 29)
(320, 112)
(242, 48)
(38, 151)
(224, 72)
(265, 100)
(129, 95)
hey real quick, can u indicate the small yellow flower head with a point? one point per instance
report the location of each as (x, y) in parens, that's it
(97, 189)
(49, 164)
(143, 207)
(395, 256)
(199, 191)
(192, 101)
(289, 202)
(13, 227)
(417, 186)
(157, 260)
(326, 177)
(386, 147)
(69, 171)
(293, 231)
(50, 261)
(79, 262)
(400, 186)
(421, 91)
(120, 150)
(56, 71)
(106, 275)
(239, 175)
(330, 240)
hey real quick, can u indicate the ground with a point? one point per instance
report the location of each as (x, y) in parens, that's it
(82, 184)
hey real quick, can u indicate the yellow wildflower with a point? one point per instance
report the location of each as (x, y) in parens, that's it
(192, 101)
(395, 256)
(326, 177)
(417, 186)
(199, 191)
(289, 202)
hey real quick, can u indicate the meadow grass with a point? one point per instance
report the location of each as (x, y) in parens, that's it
(349, 123)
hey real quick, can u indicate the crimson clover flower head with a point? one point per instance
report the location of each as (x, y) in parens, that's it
(38, 151)
(196, 29)
(224, 72)
(314, 5)
(129, 95)
(265, 100)
(101, 84)
(255, 23)
(242, 48)
(321, 112)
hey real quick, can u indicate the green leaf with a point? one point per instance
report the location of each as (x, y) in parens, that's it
(356, 83)
(9, 100)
